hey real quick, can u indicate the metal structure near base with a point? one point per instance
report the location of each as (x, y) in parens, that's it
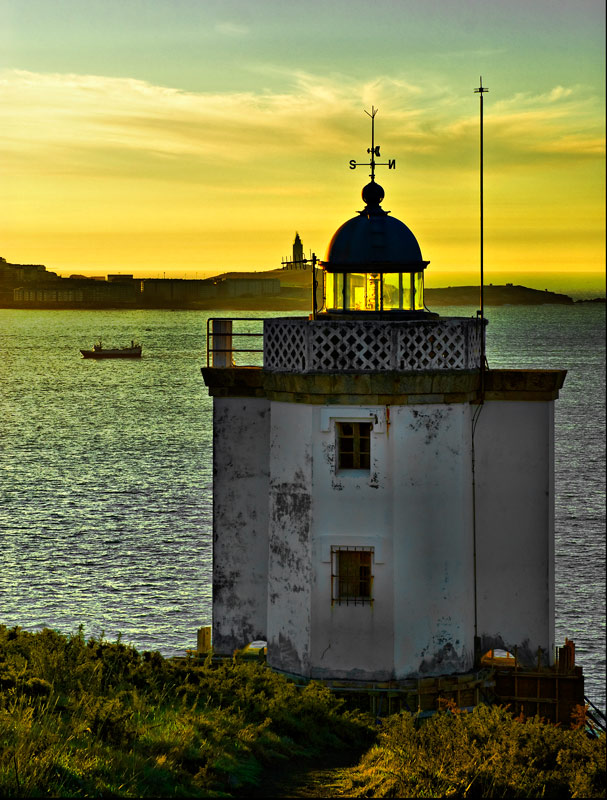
(552, 693)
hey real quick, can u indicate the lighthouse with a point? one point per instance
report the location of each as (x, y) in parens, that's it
(383, 502)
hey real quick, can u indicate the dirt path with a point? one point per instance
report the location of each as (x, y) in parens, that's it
(319, 777)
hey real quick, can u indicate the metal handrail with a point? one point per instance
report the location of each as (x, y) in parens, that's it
(212, 349)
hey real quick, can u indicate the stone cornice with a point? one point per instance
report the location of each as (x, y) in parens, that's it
(384, 388)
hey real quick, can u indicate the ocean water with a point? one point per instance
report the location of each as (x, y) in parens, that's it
(106, 472)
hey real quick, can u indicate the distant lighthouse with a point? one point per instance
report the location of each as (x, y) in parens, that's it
(298, 254)
(383, 504)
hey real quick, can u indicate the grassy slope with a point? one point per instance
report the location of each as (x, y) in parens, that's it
(81, 718)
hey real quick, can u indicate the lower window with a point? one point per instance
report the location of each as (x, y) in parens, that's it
(351, 576)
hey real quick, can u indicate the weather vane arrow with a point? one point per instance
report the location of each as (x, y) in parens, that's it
(373, 151)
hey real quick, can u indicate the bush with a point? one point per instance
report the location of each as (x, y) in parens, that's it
(486, 753)
(92, 717)
(82, 718)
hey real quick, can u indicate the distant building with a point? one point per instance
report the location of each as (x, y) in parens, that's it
(298, 260)
(83, 292)
(250, 287)
(13, 275)
(175, 290)
(24, 273)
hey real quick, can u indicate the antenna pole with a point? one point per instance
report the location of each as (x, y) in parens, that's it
(314, 288)
(480, 91)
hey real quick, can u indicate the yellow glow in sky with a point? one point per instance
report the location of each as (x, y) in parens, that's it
(194, 138)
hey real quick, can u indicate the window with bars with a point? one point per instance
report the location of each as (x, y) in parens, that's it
(351, 576)
(353, 445)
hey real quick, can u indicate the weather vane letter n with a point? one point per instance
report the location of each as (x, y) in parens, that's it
(373, 151)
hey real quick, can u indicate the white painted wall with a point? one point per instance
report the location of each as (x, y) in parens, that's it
(414, 508)
(515, 526)
(352, 507)
(279, 505)
(241, 437)
(290, 575)
(433, 542)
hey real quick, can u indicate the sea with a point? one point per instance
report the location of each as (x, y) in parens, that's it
(106, 471)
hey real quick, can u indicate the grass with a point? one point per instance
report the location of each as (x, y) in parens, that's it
(89, 717)
(485, 753)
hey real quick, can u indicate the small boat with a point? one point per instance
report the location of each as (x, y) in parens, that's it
(99, 351)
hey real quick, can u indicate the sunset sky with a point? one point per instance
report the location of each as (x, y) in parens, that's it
(190, 137)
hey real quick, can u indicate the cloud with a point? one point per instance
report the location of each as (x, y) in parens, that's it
(231, 29)
(96, 122)
(558, 93)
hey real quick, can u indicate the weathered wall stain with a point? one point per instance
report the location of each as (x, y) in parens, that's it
(525, 653)
(237, 636)
(430, 421)
(240, 520)
(283, 654)
(446, 660)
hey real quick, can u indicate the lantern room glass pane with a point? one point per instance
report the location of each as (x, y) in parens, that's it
(392, 291)
(355, 291)
(363, 291)
(334, 289)
(375, 291)
(418, 286)
(398, 288)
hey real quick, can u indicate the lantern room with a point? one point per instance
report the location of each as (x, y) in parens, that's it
(373, 266)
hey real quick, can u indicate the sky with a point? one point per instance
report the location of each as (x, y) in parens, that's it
(184, 138)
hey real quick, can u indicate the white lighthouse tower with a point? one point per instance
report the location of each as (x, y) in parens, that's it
(383, 504)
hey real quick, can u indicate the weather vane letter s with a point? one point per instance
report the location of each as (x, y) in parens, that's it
(373, 151)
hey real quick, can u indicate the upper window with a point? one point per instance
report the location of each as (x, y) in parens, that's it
(353, 445)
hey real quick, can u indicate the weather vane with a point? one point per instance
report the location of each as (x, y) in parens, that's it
(373, 151)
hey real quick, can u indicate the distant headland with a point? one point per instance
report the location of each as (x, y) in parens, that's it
(32, 286)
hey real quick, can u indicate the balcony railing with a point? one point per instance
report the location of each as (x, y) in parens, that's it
(300, 345)
(221, 336)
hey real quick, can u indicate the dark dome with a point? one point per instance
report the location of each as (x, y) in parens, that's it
(374, 241)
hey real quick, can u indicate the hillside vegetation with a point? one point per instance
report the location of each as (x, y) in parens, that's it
(82, 718)
(89, 717)
(486, 753)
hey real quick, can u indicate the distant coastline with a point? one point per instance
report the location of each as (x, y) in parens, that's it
(296, 299)
(31, 286)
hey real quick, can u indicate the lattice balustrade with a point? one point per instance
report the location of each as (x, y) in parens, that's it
(431, 346)
(302, 345)
(359, 346)
(285, 345)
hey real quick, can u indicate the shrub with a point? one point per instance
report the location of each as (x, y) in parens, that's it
(486, 753)
(92, 717)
